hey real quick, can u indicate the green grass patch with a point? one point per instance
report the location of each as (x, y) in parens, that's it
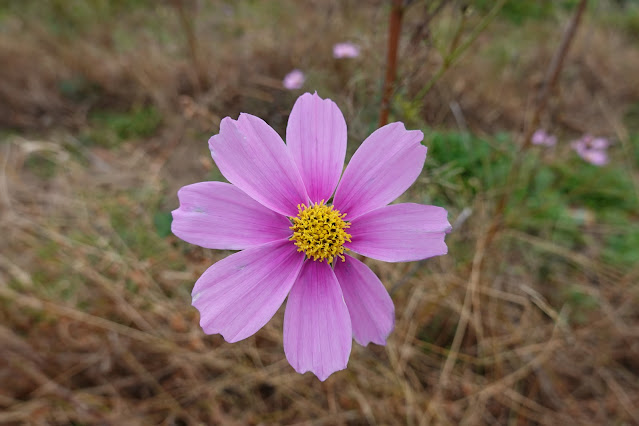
(518, 11)
(623, 248)
(464, 165)
(41, 165)
(133, 227)
(561, 198)
(625, 18)
(71, 18)
(111, 128)
(581, 304)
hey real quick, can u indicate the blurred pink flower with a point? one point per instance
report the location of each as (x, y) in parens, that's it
(599, 143)
(345, 50)
(540, 137)
(294, 80)
(595, 157)
(275, 211)
(592, 150)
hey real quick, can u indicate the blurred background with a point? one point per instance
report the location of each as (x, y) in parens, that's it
(105, 112)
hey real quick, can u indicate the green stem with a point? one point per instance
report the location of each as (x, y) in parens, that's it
(455, 54)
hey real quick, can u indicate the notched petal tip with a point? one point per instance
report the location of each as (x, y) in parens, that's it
(377, 340)
(244, 116)
(320, 374)
(316, 95)
(229, 337)
(225, 125)
(325, 375)
(398, 125)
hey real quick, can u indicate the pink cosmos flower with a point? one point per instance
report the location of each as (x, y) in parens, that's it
(540, 137)
(592, 150)
(345, 50)
(294, 220)
(294, 80)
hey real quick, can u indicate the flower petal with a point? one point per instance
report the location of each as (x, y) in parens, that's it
(400, 233)
(384, 166)
(317, 328)
(369, 305)
(253, 157)
(239, 294)
(316, 137)
(218, 215)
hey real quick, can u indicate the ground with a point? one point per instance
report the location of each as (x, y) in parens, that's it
(105, 112)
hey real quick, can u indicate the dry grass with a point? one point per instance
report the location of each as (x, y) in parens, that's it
(97, 326)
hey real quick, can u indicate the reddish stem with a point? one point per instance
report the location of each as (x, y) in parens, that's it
(394, 28)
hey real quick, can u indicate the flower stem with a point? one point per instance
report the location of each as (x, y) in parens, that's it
(394, 28)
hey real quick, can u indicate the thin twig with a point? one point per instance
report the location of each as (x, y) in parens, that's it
(552, 74)
(422, 28)
(189, 31)
(465, 313)
(456, 53)
(503, 383)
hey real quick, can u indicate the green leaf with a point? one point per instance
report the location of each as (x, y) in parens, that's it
(162, 221)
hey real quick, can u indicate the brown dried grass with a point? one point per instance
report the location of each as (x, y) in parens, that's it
(97, 330)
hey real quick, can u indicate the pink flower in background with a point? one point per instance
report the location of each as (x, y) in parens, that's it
(294, 80)
(595, 157)
(345, 50)
(598, 143)
(294, 220)
(540, 137)
(592, 150)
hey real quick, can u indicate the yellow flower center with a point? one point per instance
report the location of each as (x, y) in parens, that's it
(319, 231)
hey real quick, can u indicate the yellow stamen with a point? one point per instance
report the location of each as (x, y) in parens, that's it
(319, 231)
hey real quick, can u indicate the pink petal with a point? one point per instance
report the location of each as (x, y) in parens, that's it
(384, 166)
(239, 294)
(595, 157)
(400, 233)
(540, 137)
(217, 215)
(579, 146)
(253, 157)
(316, 137)
(317, 328)
(369, 305)
(599, 143)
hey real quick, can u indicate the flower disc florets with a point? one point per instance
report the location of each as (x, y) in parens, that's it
(319, 231)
